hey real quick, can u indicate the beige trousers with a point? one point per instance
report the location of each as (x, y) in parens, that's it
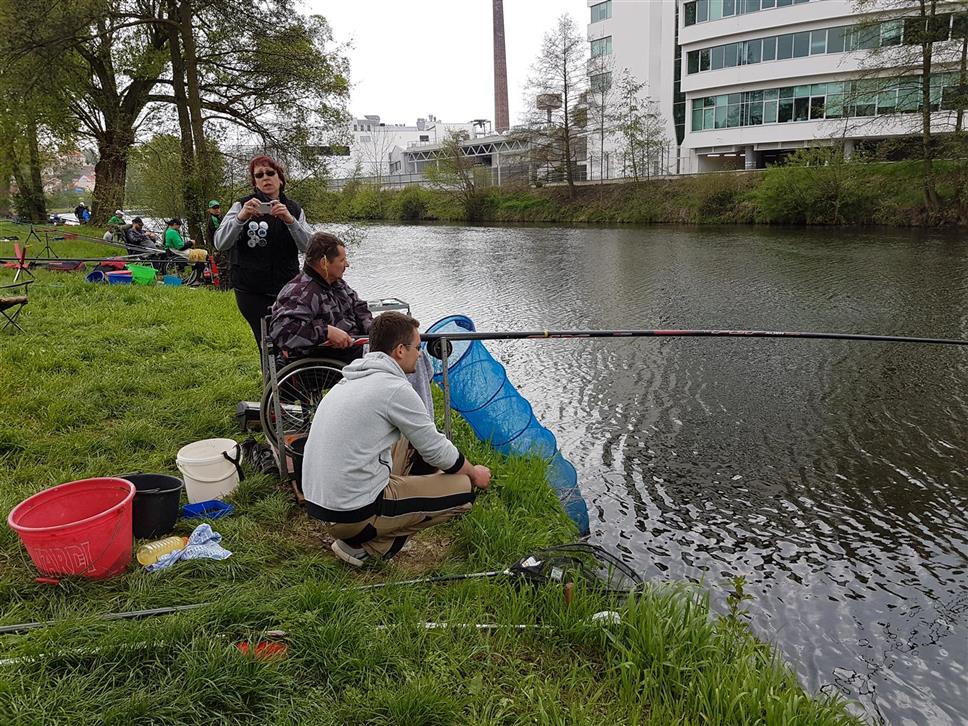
(409, 504)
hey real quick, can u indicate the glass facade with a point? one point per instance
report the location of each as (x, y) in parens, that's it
(836, 100)
(602, 11)
(701, 11)
(602, 46)
(840, 39)
(600, 82)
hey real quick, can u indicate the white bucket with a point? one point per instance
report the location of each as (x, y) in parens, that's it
(208, 474)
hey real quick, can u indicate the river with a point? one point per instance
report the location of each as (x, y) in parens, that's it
(830, 474)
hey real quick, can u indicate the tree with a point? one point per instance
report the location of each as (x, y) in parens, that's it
(600, 112)
(904, 86)
(557, 86)
(455, 171)
(156, 176)
(33, 124)
(374, 153)
(640, 129)
(265, 69)
(261, 67)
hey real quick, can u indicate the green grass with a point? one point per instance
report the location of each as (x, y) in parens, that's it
(110, 379)
(727, 198)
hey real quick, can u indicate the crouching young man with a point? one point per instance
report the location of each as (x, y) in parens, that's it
(362, 443)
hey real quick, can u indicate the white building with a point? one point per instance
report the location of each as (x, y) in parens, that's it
(374, 145)
(639, 36)
(762, 78)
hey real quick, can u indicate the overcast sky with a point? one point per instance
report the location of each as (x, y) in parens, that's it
(411, 59)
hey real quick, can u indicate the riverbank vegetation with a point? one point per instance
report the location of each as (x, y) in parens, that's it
(110, 379)
(816, 187)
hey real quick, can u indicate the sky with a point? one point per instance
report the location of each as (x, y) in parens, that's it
(412, 59)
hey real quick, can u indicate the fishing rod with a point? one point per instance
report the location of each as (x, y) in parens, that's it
(155, 612)
(40, 261)
(557, 563)
(673, 333)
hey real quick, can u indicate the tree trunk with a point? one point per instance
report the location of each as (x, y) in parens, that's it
(963, 83)
(931, 200)
(38, 203)
(188, 161)
(111, 170)
(202, 167)
(4, 189)
(30, 202)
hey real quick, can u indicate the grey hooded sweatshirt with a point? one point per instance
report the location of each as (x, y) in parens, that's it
(346, 463)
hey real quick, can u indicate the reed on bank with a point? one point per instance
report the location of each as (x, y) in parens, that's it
(820, 191)
(110, 379)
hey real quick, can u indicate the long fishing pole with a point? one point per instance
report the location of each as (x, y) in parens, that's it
(154, 612)
(673, 333)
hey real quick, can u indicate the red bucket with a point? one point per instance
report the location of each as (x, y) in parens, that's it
(79, 528)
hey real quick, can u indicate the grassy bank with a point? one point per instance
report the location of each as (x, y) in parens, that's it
(835, 193)
(111, 379)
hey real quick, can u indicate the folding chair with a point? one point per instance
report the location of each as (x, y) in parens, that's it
(20, 264)
(12, 305)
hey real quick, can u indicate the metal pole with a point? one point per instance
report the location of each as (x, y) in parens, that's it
(444, 355)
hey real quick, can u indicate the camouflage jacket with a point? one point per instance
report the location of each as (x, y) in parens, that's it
(308, 305)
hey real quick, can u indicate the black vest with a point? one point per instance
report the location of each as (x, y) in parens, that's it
(266, 269)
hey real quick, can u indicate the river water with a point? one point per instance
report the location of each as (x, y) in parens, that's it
(832, 475)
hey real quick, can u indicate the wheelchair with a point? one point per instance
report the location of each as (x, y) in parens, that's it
(292, 389)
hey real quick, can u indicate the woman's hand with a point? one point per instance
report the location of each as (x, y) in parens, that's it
(250, 209)
(337, 337)
(281, 211)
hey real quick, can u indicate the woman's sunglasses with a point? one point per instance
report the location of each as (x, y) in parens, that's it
(267, 172)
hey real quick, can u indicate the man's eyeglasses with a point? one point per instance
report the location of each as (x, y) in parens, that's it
(267, 172)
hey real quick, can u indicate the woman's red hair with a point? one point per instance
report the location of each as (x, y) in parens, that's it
(272, 164)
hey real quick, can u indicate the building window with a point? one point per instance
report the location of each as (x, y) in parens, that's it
(365, 139)
(701, 11)
(424, 137)
(602, 46)
(602, 11)
(600, 82)
(818, 42)
(815, 42)
(812, 102)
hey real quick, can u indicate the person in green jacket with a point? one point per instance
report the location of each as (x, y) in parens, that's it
(173, 237)
(214, 220)
(114, 225)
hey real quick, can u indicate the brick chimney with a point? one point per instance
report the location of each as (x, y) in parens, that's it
(501, 121)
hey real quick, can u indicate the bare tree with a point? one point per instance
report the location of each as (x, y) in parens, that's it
(639, 126)
(601, 93)
(557, 89)
(458, 173)
(374, 152)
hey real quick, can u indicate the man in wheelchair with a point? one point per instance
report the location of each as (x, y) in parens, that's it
(368, 436)
(317, 307)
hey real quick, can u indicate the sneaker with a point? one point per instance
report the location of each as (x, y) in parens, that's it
(350, 555)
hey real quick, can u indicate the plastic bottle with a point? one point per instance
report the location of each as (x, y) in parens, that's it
(150, 553)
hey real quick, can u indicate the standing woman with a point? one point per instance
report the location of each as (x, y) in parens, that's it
(264, 232)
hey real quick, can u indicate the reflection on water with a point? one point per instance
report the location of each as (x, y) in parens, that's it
(831, 474)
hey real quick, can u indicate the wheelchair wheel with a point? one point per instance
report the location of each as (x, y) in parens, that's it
(302, 385)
